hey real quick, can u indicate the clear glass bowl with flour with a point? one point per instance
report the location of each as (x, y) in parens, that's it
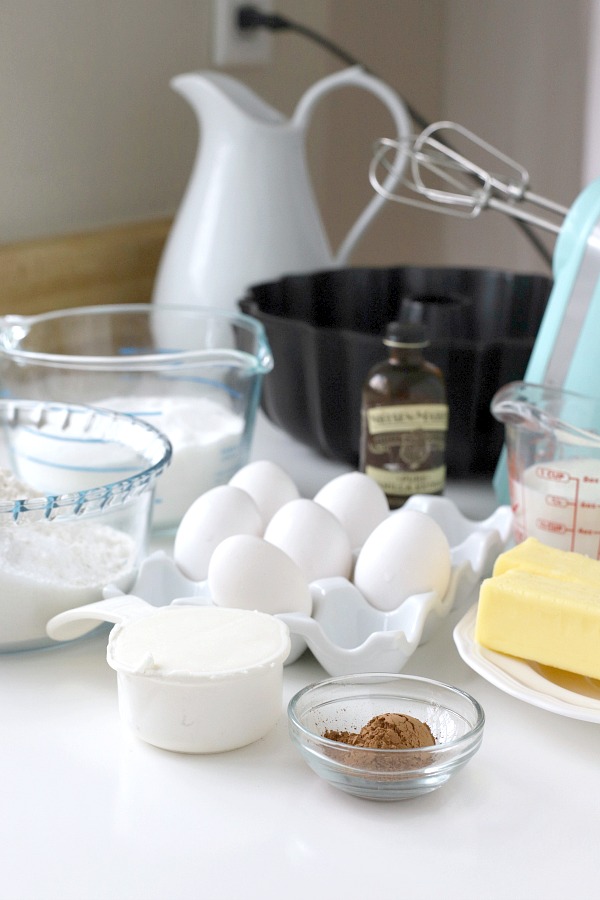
(76, 491)
(194, 373)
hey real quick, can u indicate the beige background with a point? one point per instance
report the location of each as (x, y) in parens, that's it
(93, 136)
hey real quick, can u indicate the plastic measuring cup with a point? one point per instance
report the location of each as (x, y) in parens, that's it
(553, 456)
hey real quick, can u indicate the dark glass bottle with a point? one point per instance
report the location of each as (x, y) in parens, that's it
(404, 418)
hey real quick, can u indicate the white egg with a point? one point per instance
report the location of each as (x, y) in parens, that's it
(357, 501)
(247, 572)
(405, 555)
(215, 515)
(268, 485)
(312, 537)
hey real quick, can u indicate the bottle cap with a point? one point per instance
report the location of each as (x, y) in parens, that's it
(405, 334)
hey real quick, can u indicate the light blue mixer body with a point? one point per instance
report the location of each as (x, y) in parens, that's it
(566, 352)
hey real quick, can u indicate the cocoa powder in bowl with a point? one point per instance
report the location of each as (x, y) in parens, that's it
(390, 731)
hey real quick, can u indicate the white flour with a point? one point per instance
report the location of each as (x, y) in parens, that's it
(47, 567)
(206, 439)
(13, 489)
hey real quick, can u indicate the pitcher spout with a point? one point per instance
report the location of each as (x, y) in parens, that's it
(226, 97)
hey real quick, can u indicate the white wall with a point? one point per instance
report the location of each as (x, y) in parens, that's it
(515, 73)
(591, 144)
(92, 134)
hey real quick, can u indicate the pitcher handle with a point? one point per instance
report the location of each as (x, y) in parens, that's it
(357, 76)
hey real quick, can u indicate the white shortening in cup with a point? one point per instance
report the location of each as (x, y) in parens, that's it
(199, 679)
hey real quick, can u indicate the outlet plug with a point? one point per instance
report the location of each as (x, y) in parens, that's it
(231, 45)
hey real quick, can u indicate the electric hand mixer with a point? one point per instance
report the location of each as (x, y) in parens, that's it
(566, 352)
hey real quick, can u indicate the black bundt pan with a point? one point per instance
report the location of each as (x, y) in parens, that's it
(325, 332)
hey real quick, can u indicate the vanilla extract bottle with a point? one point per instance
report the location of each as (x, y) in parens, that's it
(404, 418)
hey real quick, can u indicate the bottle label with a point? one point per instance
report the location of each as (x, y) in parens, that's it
(408, 417)
(406, 448)
(406, 483)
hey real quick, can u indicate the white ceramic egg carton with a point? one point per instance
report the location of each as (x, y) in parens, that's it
(345, 633)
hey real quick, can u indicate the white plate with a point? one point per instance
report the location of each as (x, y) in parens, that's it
(574, 696)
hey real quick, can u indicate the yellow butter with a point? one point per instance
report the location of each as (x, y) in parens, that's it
(542, 618)
(533, 556)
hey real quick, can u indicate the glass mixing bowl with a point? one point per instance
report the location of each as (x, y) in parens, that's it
(195, 373)
(76, 490)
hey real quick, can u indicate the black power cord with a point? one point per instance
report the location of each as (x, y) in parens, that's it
(249, 17)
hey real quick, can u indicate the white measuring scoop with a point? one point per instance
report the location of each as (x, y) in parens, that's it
(74, 623)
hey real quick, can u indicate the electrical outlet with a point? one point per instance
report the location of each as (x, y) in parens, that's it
(231, 45)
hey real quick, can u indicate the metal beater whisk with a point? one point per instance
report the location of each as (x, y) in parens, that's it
(438, 177)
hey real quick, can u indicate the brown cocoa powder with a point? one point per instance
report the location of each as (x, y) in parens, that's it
(390, 731)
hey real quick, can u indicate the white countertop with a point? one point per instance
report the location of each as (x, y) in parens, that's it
(90, 813)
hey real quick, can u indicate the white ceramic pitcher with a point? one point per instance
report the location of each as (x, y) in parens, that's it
(249, 213)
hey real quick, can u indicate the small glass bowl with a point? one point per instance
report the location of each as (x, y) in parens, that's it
(456, 721)
(78, 517)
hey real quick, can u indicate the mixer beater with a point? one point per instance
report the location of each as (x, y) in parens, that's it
(440, 178)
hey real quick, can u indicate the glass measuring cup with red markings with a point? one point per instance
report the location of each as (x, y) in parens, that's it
(553, 456)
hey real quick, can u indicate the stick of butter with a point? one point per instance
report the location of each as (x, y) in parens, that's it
(539, 618)
(543, 604)
(533, 556)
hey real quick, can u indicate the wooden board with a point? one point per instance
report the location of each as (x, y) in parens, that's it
(112, 265)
